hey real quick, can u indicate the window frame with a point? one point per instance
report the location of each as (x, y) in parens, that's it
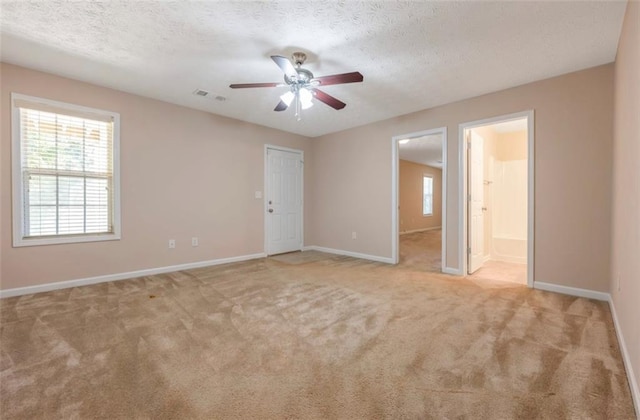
(18, 188)
(431, 178)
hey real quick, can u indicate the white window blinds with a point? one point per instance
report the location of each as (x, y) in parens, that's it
(427, 196)
(66, 170)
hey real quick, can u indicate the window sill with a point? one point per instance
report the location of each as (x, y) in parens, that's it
(59, 240)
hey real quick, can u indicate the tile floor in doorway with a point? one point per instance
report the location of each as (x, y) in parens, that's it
(422, 251)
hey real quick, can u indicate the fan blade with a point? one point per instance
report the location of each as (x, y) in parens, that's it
(254, 85)
(336, 79)
(281, 106)
(285, 64)
(328, 99)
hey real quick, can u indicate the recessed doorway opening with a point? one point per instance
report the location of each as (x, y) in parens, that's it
(497, 217)
(419, 199)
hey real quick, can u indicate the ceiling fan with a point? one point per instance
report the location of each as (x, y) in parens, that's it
(303, 85)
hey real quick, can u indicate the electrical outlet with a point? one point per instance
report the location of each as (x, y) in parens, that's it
(354, 235)
(194, 241)
(258, 194)
(172, 243)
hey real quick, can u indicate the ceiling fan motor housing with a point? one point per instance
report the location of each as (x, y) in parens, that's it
(304, 77)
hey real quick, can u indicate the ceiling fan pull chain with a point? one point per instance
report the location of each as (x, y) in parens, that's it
(298, 106)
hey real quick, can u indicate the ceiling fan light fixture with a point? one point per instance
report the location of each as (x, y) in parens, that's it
(287, 98)
(305, 98)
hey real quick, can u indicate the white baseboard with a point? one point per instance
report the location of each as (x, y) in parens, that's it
(453, 271)
(349, 254)
(509, 259)
(385, 260)
(572, 291)
(19, 291)
(633, 384)
(420, 230)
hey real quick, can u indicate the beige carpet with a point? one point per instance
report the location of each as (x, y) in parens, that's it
(332, 338)
(422, 251)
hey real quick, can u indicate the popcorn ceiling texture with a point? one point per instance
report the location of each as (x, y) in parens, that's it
(413, 55)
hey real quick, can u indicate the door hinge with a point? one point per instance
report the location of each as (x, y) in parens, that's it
(468, 197)
(468, 251)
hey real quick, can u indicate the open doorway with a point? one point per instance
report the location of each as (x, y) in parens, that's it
(498, 185)
(419, 197)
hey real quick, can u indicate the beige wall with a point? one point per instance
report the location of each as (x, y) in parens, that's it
(184, 173)
(410, 180)
(573, 149)
(625, 249)
(347, 179)
(512, 146)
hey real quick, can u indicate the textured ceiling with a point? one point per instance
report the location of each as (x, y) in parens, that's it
(413, 55)
(426, 150)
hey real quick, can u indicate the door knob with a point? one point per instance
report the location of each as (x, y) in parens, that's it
(270, 210)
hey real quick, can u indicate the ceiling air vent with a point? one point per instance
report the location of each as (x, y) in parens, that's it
(206, 94)
(200, 92)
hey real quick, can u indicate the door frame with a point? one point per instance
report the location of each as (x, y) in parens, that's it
(395, 191)
(463, 188)
(265, 206)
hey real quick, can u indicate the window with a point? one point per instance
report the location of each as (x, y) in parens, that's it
(427, 195)
(65, 173)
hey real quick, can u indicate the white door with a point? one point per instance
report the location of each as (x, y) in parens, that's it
(284, 201)
(476, 201)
